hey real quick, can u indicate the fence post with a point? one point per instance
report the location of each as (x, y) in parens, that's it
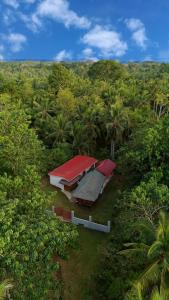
(53, 209)
(90, 218)
(108, 226)
(72, 215)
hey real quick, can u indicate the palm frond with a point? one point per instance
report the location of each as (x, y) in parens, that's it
(150, 275)
(4, 287)
(135, 248)
(155, 294)
(155, 248)
(146, 228)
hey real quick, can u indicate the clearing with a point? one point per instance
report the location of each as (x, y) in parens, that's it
(77, 272)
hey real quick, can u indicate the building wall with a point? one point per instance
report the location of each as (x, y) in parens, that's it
(105, 183)
(54, 180)
(84, 202)
(91, 225)
(71, 187)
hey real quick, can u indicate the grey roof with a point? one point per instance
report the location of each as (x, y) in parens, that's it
(90, 186)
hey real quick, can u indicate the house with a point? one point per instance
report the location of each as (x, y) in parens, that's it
(89, 188)
(93, 183)
(70, 173)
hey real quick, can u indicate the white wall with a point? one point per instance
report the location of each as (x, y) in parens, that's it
(91, 225)
(54, 180)
(105, 183)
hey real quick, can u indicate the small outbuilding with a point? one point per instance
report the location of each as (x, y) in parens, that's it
(106, 167)
(89, 188)
(93, 183)
(70, 173)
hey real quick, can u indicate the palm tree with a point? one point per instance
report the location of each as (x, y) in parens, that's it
(80, 137)
(118, 124)
(161, 98)
(157, 255)
(61, 129)
(92, 131)
(159, 295)
(4, 289)
(155, 295)
(42, 108)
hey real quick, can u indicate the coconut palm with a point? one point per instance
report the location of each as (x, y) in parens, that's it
(118, 124)
(159, 295)
(162, 294)
(61, 129)
(80, 137)
(157, 255)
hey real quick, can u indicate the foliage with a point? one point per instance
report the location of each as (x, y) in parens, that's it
(31, 237)
(18, 143)
(5, 286)
(107, 70)
(156, 273)
(50, 112)
(149, 197)
(60, 78)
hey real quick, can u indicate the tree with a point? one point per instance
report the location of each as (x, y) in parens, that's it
(107, 70)
(60, 129)
(60, 78)
(80, 137)
(66, 103)
(31, 238)
(149, 197)
(159, 96)
(157, 253)
(157, 294)
(5, 286)
(148, 148)
(18, 142)
(118, 124)
(42, 108)
(58, 155)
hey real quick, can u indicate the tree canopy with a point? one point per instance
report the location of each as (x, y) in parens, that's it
(51, 112)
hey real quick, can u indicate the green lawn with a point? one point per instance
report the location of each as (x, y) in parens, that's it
(80, 267)
(101, 211)
(78, 270)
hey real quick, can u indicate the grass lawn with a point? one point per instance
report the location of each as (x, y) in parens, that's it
(78, 270)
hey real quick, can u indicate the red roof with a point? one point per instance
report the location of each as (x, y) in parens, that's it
(106, 167)
(74, 167)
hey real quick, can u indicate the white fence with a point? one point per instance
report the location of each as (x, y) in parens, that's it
(91, 225)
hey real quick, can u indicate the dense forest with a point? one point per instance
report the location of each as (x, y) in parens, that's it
(50, 112)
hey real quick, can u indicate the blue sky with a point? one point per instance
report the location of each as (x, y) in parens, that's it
(125, 30)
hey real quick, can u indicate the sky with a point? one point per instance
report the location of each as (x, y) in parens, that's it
(76, 30)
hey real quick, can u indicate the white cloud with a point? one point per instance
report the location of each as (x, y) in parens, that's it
(1, 57)
(16, 41)
(63, 55)
(138, 32)
(59, 11)
(8, 17)
(13, 3)
(32, 22)
(133, 24)
(108, 41)
(88, 54)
